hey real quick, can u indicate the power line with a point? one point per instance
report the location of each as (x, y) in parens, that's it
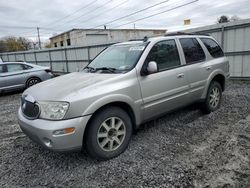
(152, 15)
(112, 8)
(133, 13)
(144, 9)
(82, 8)
(89, 12)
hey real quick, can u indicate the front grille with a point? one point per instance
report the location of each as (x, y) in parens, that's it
(30, 108)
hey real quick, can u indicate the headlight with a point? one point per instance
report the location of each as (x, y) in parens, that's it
(53, 110)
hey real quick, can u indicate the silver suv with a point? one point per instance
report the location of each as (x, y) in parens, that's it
(124, 86)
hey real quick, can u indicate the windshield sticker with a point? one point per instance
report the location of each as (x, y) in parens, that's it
(137, 48)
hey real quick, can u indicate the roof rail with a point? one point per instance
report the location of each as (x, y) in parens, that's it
(144, 39)
(135, 40)
(183, 33)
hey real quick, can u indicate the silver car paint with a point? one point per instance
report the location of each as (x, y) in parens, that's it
(148, 96)
(18, 79)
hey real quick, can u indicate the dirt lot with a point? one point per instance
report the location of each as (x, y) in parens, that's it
(181, 149)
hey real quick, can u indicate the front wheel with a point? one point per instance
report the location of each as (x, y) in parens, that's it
(108, 133)
(213, 99)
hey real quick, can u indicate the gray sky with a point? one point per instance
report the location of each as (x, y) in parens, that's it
(21, 17)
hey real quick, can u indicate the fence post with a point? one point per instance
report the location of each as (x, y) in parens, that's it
(88, 54)
(24, 57)
(222, 36)
(50, 61)
(66, 60)
(35, 57)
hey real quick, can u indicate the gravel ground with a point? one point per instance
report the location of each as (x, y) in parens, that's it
(181, 149)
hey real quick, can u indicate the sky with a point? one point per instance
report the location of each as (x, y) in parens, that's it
(22, 17)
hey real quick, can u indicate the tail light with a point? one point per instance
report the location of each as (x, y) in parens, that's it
(48, 70)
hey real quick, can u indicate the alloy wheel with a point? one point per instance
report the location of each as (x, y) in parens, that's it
(111, 134)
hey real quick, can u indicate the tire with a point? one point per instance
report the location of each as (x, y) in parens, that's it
(108, 133)
(32, 81)
(213, 99)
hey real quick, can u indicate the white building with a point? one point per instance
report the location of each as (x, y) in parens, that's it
(80, 37)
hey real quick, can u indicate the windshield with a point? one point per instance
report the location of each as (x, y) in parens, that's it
(118, 58)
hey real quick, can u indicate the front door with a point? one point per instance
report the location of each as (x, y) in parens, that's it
(168, 88)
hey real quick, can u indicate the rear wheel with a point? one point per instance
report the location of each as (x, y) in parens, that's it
(108, 133)
(32, 81)
(213, 100)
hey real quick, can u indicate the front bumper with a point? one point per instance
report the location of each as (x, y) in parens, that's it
(41, 132)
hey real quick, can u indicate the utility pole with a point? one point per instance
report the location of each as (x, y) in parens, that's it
(39, 40)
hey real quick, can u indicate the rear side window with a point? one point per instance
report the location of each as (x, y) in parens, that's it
(165, 54)
(14, 67)
(213, 48)
(192, 50)
(26, 67)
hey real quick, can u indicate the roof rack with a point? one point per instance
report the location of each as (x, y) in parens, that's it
(183, 33)
(145, 39)
(135, 40)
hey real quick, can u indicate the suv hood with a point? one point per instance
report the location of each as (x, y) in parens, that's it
(57, 89)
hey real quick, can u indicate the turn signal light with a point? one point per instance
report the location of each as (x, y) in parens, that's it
(64, 131)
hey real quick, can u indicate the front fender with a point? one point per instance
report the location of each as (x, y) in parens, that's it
(135, 105)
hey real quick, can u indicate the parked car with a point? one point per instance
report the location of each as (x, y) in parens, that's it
(20, 75)
(125, 85)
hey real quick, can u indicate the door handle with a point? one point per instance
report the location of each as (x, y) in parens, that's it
(208, 68)
(181, 75)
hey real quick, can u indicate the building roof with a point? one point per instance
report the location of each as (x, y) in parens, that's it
(76, 29)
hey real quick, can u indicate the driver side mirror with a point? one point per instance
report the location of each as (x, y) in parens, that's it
(151, 67)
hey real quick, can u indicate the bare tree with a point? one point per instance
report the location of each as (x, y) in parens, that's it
(223, 19)
(12, 44)
(234, 18)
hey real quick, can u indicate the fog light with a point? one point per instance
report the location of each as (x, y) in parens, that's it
(47, 142)
(64, 131)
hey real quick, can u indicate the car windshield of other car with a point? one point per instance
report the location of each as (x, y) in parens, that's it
(119, 58)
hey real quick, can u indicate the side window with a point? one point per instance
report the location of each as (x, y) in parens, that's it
(165, 54)
(213, 48)
(14, 67)
(192, 50)
(1, 68)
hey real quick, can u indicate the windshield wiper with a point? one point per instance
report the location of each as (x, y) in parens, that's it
(110, 69)
(90, 68)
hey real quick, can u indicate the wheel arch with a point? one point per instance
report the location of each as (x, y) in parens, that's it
(215, 76)
(30, 77)
(121, 104)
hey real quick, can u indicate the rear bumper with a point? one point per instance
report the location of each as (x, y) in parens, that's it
(41, 131)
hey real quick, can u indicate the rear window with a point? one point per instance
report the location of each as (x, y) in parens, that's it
(213, 48)
(192, 50)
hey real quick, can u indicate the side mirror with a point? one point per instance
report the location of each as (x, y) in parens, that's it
(152, 67)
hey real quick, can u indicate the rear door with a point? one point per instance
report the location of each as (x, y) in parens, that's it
(168, 88)
(15, 76)
(197, 69)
